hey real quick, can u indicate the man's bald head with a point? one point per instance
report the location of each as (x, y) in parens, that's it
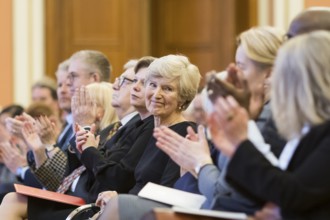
(310, 20)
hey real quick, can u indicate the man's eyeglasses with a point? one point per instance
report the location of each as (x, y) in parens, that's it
(123, 79)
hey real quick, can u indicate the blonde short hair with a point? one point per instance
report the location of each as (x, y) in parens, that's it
(101, 93)
(179, 68)
(96, 60)
(261, 44)
(300, 90)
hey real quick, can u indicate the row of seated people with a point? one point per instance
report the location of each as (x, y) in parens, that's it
(150, 144)
(45, 98)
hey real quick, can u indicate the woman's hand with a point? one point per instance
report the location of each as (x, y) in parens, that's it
(4, 134)
(15, 125)
(83, 107)
(104, 197)
(46, 130)
(31, 137)
(12, 157)
(269, 212)
(187, 153)
(85, 139)
(228, 125)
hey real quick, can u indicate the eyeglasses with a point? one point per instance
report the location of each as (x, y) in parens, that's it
(122, 80)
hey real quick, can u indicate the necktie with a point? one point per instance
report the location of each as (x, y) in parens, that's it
(114, 129)
(65, 136)
(66, 183)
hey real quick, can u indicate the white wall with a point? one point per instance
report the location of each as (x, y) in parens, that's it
(278, 13)
(28, 51)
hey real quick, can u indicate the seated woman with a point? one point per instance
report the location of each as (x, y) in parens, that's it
(102, 114)
(170, 85)
(101, 94)
(300, 90)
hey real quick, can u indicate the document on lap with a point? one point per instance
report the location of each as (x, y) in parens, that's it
(172, 196)
(49, 195)
(184, 202)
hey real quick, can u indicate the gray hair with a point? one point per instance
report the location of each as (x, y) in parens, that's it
(300, 90)
(97, 62)
(63, 66)
(177, 67)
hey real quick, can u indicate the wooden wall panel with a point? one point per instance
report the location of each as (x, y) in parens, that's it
(95, 26)
(202, 30)
(205, 31)
(312, 3)
(100, 25)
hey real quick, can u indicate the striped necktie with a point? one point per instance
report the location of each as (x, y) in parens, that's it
(66, 183)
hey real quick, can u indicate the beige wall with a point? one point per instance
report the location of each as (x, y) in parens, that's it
(313, 3)
(6, 79)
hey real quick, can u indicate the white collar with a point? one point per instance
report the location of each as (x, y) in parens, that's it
(69, 118)
(127, 118)
(290, 148)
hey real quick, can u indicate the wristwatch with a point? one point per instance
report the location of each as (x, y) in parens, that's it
(198, 168)
(49, 147)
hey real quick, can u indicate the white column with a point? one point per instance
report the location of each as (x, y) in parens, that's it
(28, 47)
(295, 7)
(37, 37)
(285, 11)
(280, 13)
(263, 12)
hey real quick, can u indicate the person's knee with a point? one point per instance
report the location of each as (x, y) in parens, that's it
(14, 204)
(13, 198)
(10, 198)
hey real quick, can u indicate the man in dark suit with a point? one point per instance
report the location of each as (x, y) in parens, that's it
(79, 67)
(70, 161)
